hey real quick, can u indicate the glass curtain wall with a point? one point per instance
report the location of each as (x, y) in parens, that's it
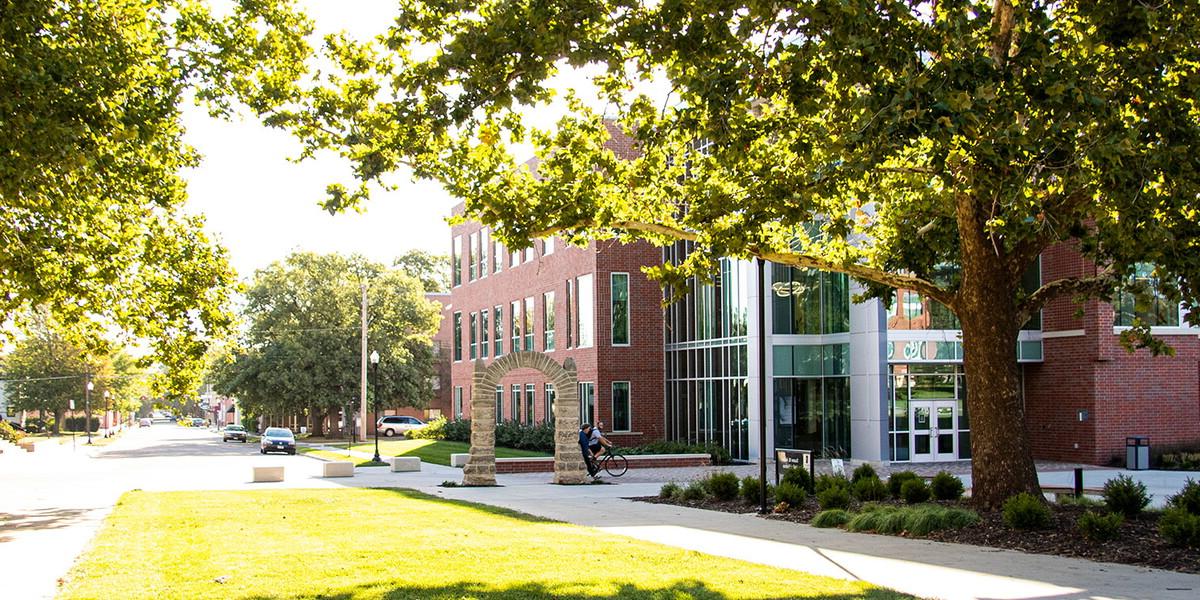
(911, 383)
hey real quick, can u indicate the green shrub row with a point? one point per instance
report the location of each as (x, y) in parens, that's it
(8, 434)
(916, 520)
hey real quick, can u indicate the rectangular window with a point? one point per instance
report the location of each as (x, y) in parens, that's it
(472, 255)
(498, 323)
(515, 345)
(485, 331)
(497, 256)
(473, 333)
(620, 406)
(587, 402)
(585, 312)
(456, 261)
(569, 307)
(484, 264)
(549, 398)
(548, 247)
(499, 404)
(528, 324)
(1144, 300)
(620, 309)
(458, 402)
(529, 403)
(514, 259)
(515, 400)
(548, 322)
(527, 254)
(457, 336)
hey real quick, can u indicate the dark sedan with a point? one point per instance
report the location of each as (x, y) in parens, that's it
(278, 439)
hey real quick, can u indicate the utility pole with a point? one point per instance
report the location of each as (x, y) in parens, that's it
(363, 371)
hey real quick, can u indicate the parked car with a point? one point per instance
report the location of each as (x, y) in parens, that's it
(234, 432)
(277, 439)
(397, 425)
(145, 422)
(197, 422)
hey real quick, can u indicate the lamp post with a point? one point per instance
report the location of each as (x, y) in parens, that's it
(107, 425)
(87, 408)
(375, 392)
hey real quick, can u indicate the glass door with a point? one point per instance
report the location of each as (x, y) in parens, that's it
(933, 430)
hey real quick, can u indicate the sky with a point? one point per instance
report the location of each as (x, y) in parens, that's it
(262, 207)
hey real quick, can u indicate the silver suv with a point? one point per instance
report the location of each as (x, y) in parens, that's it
(398, 425)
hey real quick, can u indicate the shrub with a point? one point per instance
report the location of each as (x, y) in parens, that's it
(796, 476)
(914, 491)
(885, 519)
(790, 493)
(722, 485)
(827, 481)
(896, 481)
(831, 518)
(1180, 528)
(1026, 511)
(864, 470)
(1071, 500)
(923, 520)
(870, 489)
(8, 434)
(833, 497)
(1188, 498)
(946, 486)
(669, 490)
(76, 424)
(717, 453)
(694, 492)
(750, 490)
(433, 430)
(1099, 528)
(1124, 495)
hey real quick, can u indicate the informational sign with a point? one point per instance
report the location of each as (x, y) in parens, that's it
(838, 466)
(787, 458)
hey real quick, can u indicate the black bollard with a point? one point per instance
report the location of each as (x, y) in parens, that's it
(1078, 483)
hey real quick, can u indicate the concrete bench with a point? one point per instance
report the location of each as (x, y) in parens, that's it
(405, 463)
(267, 474)
(459, 459)
(338, 468)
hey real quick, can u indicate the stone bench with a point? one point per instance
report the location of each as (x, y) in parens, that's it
(267, 474)
(338, 468)
(405, 463)
(459, 459)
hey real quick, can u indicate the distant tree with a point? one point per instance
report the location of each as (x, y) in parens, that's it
(301, 352)
(432, 269)
(91, 219)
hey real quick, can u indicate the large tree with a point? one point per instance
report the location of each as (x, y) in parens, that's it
(890, 140)
(302, 348)
(91, 219)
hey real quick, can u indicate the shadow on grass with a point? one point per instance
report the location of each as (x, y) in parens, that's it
(484, 508)
(39, 519)
(682, 590)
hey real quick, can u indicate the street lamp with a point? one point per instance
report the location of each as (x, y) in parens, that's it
(87, 408)
(107, 425)
(375, 391)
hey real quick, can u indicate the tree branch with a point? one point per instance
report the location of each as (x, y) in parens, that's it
(1097, 285)
(1002, 31)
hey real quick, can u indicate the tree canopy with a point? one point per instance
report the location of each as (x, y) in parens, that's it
(885, 140)
(301, 352)
(432, 269)
(92, 225)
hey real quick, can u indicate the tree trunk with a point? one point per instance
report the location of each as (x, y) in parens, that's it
(317, 428)
(58, 420)
(1002, 461)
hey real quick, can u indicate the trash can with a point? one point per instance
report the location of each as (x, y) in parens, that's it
(1137, 452)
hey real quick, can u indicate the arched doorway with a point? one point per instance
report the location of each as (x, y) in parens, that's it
(568, 461)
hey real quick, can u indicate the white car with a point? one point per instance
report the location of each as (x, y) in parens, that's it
(397, 425)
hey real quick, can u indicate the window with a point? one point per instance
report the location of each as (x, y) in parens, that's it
(456, 262)
(568, 305)
(515, 345)
(528, 324)
(587, 402)
(472, 255)
(585, 312)
(620, 309)
(483, 253)
(549, 399)
(515, 399)
(498, 323)
(548, 321)
(529, 404)
(457, 336)
(1145, 300)
(497, 256)
(620, 406)
(527, 254)
(484, 334)
(809, 301)
(514, 259)
(473, 333)
(458, 402)
(499, 403)
(548, 247)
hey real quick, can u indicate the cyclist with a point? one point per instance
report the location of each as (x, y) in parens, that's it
(597, 443)
(585, 440)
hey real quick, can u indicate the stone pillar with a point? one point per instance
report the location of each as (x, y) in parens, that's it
(568, 460)
(481, 464)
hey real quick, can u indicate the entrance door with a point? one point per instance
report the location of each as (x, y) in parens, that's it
(934, 434)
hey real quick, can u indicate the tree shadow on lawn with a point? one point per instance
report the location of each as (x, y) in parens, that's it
(38, 519)
(492, 510)
(681, 590)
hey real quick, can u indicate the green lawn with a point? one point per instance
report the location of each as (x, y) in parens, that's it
(334, 455)
(434, 451)
(349, 544)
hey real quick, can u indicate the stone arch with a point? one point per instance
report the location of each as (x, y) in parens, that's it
(568, 460)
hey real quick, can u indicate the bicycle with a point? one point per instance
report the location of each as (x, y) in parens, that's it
(612, 462)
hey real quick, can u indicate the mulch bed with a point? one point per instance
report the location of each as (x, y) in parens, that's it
(1138, 543)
